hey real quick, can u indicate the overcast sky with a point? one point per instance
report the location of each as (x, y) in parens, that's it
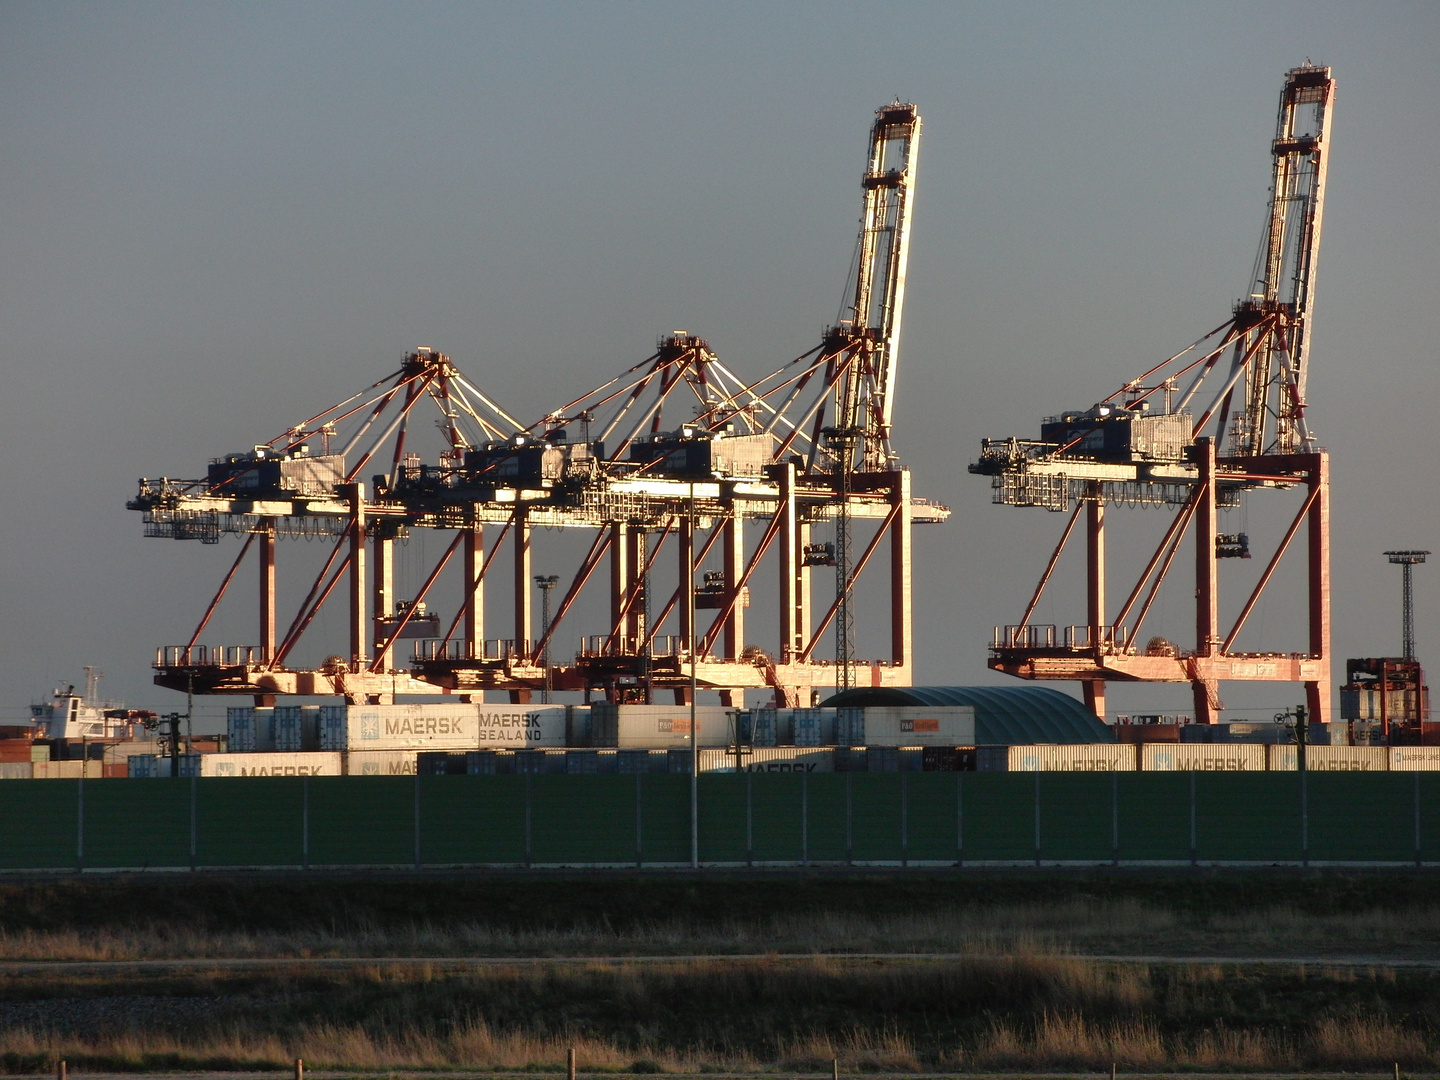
(218, 219)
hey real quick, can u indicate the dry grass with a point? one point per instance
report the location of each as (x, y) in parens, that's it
(1070, 927)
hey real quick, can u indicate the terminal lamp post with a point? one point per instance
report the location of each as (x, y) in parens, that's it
(546, 583)
(1405, 560)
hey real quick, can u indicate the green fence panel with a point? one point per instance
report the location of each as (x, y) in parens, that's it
(665, 817)
(1076, 822)
(248, 821)
(931, 816)
(999, 816)
(875, 817)
(582, 819)
(723, 807)
(472, 820)
(1154, 816)
(1361, 817)
(37, 824)
(775, 807)
(825, 815)
(1247, 817)
(1429, 799)
(139, 823)
(361, 820)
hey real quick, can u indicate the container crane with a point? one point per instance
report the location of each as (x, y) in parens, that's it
(676, 446)
(1193, 433)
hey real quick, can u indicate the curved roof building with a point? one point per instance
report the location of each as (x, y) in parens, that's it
(1004, 715)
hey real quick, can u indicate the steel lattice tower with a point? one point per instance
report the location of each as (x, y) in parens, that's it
(1406, 560)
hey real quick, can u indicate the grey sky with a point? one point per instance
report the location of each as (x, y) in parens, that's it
(215, 218)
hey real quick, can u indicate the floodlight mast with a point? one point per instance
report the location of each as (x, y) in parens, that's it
(1406, 561)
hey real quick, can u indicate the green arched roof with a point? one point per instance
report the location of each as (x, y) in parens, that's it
(1004, 715)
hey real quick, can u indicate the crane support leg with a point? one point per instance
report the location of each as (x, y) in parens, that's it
(1095, 594)
(1317, 692)
(734, 556)
(267, 590)
(902, 609)
(474, 599)
(1207, 599)
(382, 550)
(358, 622)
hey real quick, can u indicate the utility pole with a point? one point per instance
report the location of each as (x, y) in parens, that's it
(1406, 560)
(546, 583)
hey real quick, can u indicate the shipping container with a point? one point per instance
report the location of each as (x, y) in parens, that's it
(490, 762)
(311, 763)
(659, 726)
(249, 729)
(449, 726)
(912, 725)
(949, 759)
(1198, 733)
(1367, 704)
(1267, 732)
(769, 759)
(380, 762)
(1148, 733)
(1329, 734)
(442, 762)
(642, 761)
(1202, 757)
(850, 726)
(1413, 758)
(16, 770)
(1331, 758)
(1367, 733)
(811, 727)
(851, 759)
(760, 727)
(1083, 757)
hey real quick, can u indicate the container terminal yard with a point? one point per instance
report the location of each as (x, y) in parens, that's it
(680, 452)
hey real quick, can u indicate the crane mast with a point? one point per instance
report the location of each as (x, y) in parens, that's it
(865, 398)
(1222, 417)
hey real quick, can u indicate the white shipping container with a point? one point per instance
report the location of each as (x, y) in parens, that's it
(249, 729)
(457, 726)
(63, 770)
(1079, 757)
(1331, 758)
(660, 726)
(770, 759)
(16, 770)
(304, 763)
(1202, 757)
(381, 762)
(811, 727)
(1414, 758)
(914, 725)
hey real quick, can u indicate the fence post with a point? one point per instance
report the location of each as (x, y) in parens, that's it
(804, 819)
(1115, 818)
(417, 816)
(194, 822)
(1416, 775)
(959, 819)
(749, 819)
(299, 1069)
(1194, 856)
(849, 818)
(570, 1064)
(527, 821)
(60, 1069)
(1037, 817)
(1304, 817)
(80, 824)
(639, 842)
(305, 823)
(904, 819)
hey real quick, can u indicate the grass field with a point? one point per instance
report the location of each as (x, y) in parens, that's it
(1012, 990)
